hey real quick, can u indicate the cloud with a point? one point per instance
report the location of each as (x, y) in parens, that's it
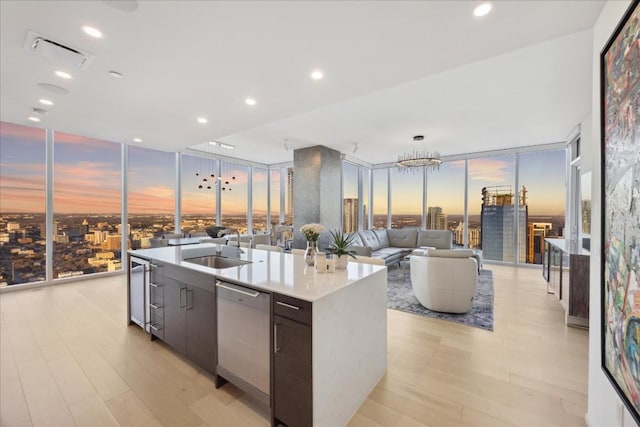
(458, 164)
(22, 200)
(22, 133)
(24, 170)
(156, 199)
(490, 170)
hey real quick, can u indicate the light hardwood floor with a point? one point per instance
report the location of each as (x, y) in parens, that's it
(68, 358)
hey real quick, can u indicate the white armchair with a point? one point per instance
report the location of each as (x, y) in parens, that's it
(444, 280)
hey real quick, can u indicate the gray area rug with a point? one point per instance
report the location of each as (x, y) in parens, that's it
(400, 297)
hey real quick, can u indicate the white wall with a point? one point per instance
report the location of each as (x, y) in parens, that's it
(605, 406)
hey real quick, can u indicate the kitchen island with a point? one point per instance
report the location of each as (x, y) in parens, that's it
(327, 332)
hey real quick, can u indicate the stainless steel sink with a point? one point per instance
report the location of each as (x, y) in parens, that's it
(217, 261)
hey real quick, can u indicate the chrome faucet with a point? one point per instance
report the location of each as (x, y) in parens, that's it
(237, 233)
(238, 241)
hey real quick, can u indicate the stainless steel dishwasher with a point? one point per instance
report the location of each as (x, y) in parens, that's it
(243, 338)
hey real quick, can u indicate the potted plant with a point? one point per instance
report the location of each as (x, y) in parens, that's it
(339, 246)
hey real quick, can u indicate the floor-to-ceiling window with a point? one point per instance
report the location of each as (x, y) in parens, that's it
(151, 195)
(22, 204)
(492, 201)
(406, 198)
(87, 191)
(275, 196)
(544, 198)
(445, 201)
(380, 202)
(234, 195)
(86, 196)
(198, 182)
(365, 179)
(350, 201)
(259, 199)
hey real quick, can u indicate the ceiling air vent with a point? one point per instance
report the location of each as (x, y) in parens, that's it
(48, 48)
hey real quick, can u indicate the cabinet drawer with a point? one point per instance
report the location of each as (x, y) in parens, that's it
(292, 308)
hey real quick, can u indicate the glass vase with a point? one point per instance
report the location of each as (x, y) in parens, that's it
(310, 252)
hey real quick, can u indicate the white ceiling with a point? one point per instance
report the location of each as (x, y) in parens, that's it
(519, 76)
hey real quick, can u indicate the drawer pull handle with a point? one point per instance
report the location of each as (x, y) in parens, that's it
(284, 304)
(153, 285)
(183, 305)
(250, 294)
(154, 327)
(153, 265)
(155, 306)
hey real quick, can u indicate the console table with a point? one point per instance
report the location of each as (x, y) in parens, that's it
(566, 270)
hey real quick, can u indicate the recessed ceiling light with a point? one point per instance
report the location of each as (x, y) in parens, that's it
(137, 140)
(222, 145)
(93, 32)
(39, 111)
(33, 118)
(317, 75)
(63, 75)
(53, 88)
(202, 120)
(115, 74)
(250, 101)
(45, 101)
(482, 9)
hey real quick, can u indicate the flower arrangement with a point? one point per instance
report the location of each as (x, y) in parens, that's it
(312, 231)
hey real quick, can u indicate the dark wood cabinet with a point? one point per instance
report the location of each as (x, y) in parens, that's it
(201, 327)
(175, 315)
(578, 298)
(292, 362)
(189, 317)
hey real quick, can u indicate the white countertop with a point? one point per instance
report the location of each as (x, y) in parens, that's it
(566, 246)
(282, 273)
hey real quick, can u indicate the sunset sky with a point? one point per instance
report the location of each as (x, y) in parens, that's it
(542, 173)
(87, 179)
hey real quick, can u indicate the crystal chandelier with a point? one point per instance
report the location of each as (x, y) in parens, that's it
(418, 159)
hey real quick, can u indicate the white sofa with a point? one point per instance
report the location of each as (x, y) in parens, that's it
(444, 280)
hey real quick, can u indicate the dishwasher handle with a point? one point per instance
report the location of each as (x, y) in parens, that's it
(255, 294)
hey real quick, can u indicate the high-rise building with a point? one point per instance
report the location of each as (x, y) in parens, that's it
(441, 221)
(497, 224)
(100, 237)
(432, 216)
(350, 215)
(436, 219)
(474, 235)
(61, 238)
(112, 243)
(458, 234)
(84, 228)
